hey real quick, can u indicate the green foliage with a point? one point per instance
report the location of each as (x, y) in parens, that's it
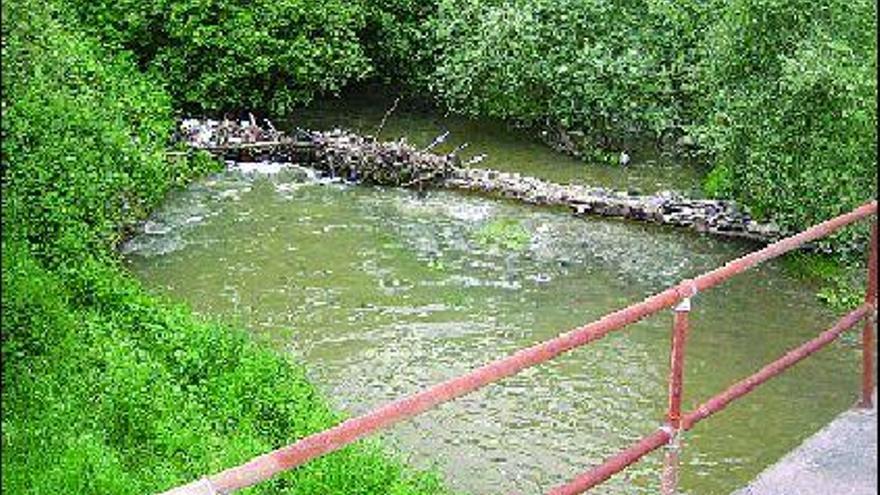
(225, 55)
(398, 40)
(84, 137)
(107, 389)
(779, 94)
(839, 281)
(793, 120)
(609, 68)
(123, 393)
(718, 182)
(840, 295)
(506, 233)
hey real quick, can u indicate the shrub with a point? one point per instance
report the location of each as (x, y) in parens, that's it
(611, 69)
(793, 121)
(84, 136)
(227, 55)
(107, 389)
(779, 94)
(399, 42)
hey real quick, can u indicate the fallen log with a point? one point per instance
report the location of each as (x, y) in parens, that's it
(363, 159)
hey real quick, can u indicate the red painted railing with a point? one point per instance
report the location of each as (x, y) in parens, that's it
(679, 297)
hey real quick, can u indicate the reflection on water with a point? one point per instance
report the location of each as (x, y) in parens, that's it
(381, 292)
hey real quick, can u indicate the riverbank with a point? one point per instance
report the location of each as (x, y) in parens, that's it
(778, 98)
(106, 387)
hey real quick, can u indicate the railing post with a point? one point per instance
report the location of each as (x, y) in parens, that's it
(669, 483)
(868, 329)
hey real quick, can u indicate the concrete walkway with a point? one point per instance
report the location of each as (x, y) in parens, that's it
(841, 459)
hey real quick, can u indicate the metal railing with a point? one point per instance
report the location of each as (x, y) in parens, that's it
(679, 297)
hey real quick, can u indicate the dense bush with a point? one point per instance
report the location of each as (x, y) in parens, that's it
(779, 94)
(399, 41)
(226, 55)
(609, 68)
(107, 389)
(792, 117)
(84, 137)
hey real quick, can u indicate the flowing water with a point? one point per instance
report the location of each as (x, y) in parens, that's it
(381, 292)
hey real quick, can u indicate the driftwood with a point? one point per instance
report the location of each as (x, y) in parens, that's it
(363, 159)
(387, 114)
(667, 207)
(338, 153)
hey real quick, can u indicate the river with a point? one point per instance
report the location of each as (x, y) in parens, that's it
(381, 292)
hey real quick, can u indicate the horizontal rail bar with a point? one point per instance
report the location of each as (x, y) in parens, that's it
(783, 246)
(267, 465)
(791, 358)
(660, 437)
(315, 445)
(614, 464)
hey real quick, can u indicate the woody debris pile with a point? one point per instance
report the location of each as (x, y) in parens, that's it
(363, 159)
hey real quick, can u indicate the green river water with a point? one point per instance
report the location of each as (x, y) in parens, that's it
(381, 292)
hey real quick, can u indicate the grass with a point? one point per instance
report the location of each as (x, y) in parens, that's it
(108, 389)
(134, 394)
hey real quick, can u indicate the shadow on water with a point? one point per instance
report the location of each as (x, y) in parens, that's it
(381, 293)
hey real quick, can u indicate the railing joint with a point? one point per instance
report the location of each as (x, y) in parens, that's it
(686, 290)
(683, 306)
(674, 442)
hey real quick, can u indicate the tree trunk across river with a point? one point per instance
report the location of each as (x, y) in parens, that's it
(363, 158)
